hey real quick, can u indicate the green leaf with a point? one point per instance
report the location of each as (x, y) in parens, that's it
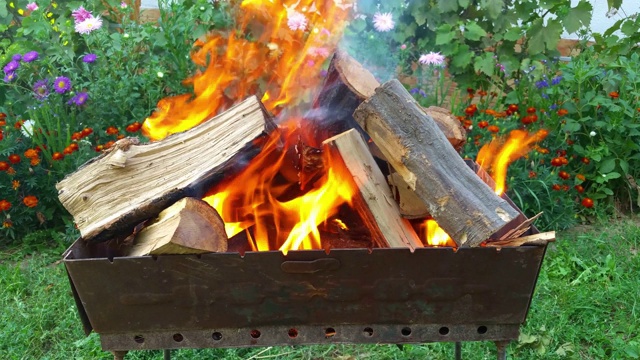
(464, 3)
(571, 126)
(614, 4)
(578, 17)
(463, 57)
(607, 166)
(447, 5)
(445, 34)
(544, 38)
(612, 175)
(473, 31)
(3, 8)
(494, 7)
(629, 27)
(419, 14)
(486, 64)
(513, 34)
(624, 165)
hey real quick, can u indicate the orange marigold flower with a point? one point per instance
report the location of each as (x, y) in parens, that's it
(4, 166)
(532, 174)
(586, 160)
(11, 171)
(109, 144)
(493, 128)
(564, 175)
(3, 122)
(87, 131)
(30, 201)
(30, 153)
(73, 146)
(34, 161)
(134, 127)
(15, 184)
(3, 116)
(57, 156)
(482, 93)
(563, 112)
(5, 205)
(111, 130)
(482, 124)
(7, 223)
(18, 124)
(76, 136)
(580, 177)
(14, 158)
(99, 148)
(614, 95)
(579, 188)
(120, 136)
(556, 187)
(67, 151)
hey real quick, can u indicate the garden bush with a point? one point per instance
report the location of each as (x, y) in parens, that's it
(75, 81)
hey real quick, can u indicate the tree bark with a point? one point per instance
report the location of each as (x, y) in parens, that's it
(462, 204)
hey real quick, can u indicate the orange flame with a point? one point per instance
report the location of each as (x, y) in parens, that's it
(258, 197)
(496, 156)
(434, 235)
(277, 50)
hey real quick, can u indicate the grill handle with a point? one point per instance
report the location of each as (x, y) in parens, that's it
(310, 267)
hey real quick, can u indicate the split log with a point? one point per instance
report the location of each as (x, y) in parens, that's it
(190, 226)
(411, 206)
(535, 239)
(462, 204)
(346, 85)
(374, 201)
(131, 183)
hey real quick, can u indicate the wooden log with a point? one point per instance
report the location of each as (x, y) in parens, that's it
(112, 193)
(374, 202)
(346, 85)
(189, 226)
(535, 239)
(462, 204)
(411, 206)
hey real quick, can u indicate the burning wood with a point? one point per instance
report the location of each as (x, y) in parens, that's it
(374, 201)
(464, 206)
(111, 194)
(190, 226)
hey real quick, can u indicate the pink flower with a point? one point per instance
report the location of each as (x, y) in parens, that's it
(32, 6)
(296, 20)
(432, 58)
(88, 25)
(81, 14)
(123, 5)
(403, 47)
(318, 51)
(383, 22)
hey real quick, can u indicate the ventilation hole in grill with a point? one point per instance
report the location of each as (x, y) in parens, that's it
(368, 332)
(217, 336)
(444, 331)
(293, 333)
(178, 337)
(482, 330)
(329, 332)
(255, 334)
(406, 331)
(139, 339)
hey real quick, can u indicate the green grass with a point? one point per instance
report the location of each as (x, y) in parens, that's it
(586, 306)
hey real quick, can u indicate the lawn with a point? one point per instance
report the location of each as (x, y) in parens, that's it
(585, 307)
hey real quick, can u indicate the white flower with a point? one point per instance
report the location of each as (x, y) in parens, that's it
(592, 134)
(296, 20)
(383, 22)
(88, 25)
(432, 58)
(27, 128)
(201, 8)
(125, 35)
(160, 74)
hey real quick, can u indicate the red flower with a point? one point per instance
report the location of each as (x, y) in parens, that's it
(57, 156)
(73, 146)
(556, 187)
(563, 112)
(109, 144)
(564, 175)
(613, 95)
(87, 131)
(4, 166)
(14, 158)
(556, 161)
(68, 151)
(493, 128)
(111, 130)
(512, 108)
(580, 177)
(134, 127)
(5, 205)
(579, 188)
(531, 110)
(76, 136)
(483, 124)
(18, 124)
(470, 110)
(30, 201)
(532, 174)
(587, 202)
(586, 160)
(99, 148)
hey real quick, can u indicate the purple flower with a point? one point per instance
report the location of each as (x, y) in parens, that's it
(9, 77)
(542, 84)
(89, 58)
(556, 80)
(16, 57)
(553, 107)
(32, 6)
(81, 14)
(11, 66)
(296, 20)
(432, 58)
(383, 22)
(418, 91)
(30, 56)
(79, 99)
(323, 73)
(41, 89)
(61, 84)
(88, 25)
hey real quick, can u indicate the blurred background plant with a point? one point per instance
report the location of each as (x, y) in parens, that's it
(78, 75)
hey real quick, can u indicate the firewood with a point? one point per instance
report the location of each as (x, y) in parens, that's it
(374, 201)
(114, 192)
(536, 239)
(190, 226)
(462, 204)
(411, 206)
(347, 84)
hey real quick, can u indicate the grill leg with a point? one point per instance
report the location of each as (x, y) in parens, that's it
(119, 355)
(167, 354)
(502, 349)
(458, 350)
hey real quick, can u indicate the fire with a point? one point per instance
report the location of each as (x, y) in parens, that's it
(277, 50)
(276, 220)
(435, 235)
(496, 156)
